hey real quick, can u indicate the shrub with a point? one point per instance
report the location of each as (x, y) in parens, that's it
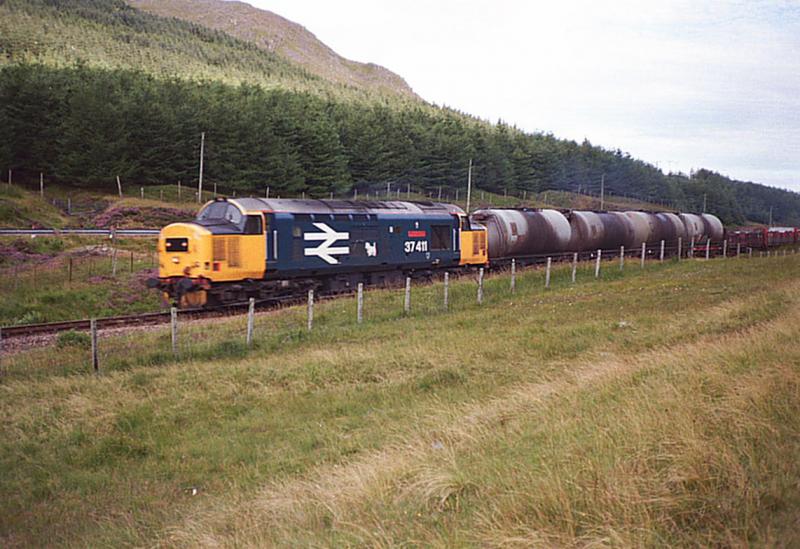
(73, 339)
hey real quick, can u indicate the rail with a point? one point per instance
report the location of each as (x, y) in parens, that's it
(91, 232)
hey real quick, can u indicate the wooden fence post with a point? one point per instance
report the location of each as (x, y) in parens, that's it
(480, 286)
(113, 262)
(251, 312)
(119, 187)
(310, 309)
(661, 253)
(738, 249)
(547, 273)
(141, 192)
(621, 257)
(41, 185)
(597, 264)
(749, 253)
(725, 249)
(407, 298)
(708, 248)
(360, 303)
(691, 249)
(644, 252)
(574, 266)
(69, 270)
(131, 261)
(513, 275)
(173, 320)
(93, 332)
(680, 245)
(446, 289)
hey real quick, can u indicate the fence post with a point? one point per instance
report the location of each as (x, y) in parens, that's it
(69, 270)
(547, 273)
(93, 332)
(41, 185)
(621, 257)
(113, 262)
(173, 321)
(574, 266)
(446, 289)
(661, 253)
(407, 296)
(360, 303)
(597, 264)
(725, 249)
(131, 261)
(480, 286)
(251, 312)
(680, 245)
(644, 252)
(738, 249)
(691, 249)
(513, 275)
(708, 248)
(310, 309)
(749, 253)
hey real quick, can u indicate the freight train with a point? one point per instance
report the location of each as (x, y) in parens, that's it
(262, 248)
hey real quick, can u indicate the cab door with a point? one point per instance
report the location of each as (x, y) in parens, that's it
(251, 248)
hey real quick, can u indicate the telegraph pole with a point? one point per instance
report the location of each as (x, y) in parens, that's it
(469, 184)
(200, 182)
(602, 190)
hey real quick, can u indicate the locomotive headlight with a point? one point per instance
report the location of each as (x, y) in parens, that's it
(176, 260)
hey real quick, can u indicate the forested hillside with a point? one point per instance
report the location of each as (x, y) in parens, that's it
(92, 89)
(272, 32)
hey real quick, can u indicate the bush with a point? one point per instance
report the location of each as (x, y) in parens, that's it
(73, 339)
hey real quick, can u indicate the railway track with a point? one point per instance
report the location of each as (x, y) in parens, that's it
(153, 318)
(124, 321)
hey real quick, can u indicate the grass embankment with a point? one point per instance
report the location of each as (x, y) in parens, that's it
(35, 283)
(656, 408)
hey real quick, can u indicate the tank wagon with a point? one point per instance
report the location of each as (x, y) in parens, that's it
(523, 233)
(252, 247)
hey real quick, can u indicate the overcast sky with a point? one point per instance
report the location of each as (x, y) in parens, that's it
(679, 84)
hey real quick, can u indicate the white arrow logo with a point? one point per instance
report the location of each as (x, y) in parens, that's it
(328, 236)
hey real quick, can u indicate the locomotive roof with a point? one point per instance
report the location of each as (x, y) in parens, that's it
(312, 206)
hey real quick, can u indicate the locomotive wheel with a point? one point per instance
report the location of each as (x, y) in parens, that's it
(193, 299)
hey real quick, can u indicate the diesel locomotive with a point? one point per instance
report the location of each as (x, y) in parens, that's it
(252, 247)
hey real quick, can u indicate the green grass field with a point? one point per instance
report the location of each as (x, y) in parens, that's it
(655, 407)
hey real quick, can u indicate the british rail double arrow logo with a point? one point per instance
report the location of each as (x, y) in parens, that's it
(327, 250)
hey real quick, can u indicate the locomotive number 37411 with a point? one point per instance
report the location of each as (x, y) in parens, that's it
(415, 246)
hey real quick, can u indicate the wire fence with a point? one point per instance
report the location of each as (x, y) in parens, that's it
(328, 321)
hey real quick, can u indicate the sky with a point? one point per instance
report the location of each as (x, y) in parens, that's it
(679, 84)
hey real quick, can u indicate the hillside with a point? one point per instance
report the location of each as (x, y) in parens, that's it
(655, 407)
(273, 33)
(110, 34)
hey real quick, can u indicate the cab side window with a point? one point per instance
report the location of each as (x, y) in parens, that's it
(252, 225)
